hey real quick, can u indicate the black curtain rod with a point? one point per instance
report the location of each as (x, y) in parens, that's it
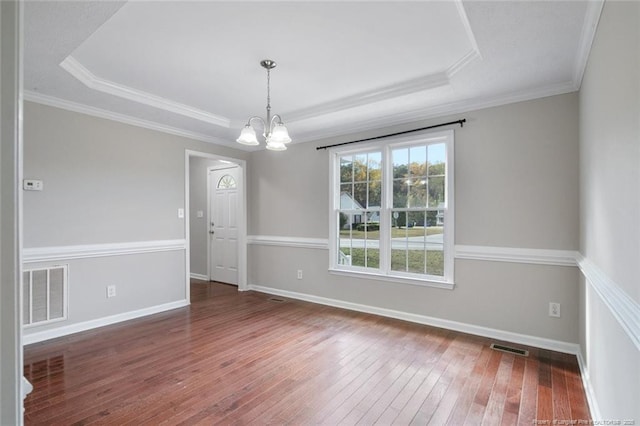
(460, 122)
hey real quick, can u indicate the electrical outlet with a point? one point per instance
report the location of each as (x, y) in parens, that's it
(111, 291)
(554, 309)
(299, 274)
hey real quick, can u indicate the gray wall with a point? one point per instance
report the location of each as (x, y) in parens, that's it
(107, 183)
(10, 345)
(516, 186)
(610, 206)
(199, 231)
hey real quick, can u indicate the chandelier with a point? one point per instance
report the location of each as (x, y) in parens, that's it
(275, 133)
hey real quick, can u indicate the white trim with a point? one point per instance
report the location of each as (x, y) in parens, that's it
(484, 253)
(364, 274)
(474, 53)
(622, 306)
(589, 26)
(199, 276)
(435, 111)
(100, 322)
(302, 242)
(423, 83)
(86, 77)
(538, 342)
(594, 409)
(126, 119)
(517, 255)
(385, 147)
(45, 254)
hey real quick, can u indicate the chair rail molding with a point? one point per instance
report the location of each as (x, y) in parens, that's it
(622, 306)
(44, 254)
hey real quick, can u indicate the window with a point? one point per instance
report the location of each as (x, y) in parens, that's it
(392, 210)
(226, 182)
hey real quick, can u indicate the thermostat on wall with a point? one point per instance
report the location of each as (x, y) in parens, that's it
(32, 185)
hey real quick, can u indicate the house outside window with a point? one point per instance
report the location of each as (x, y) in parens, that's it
(392, 209)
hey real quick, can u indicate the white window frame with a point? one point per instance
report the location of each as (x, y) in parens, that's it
(385, 146)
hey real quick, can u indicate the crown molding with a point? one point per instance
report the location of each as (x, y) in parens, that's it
(122, 118)
(81, 73)
(589, 27)
(436, 111)
(474, 53)
(419, 84)
(471, 56)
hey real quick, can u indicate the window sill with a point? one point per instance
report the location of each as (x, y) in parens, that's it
(393, 278)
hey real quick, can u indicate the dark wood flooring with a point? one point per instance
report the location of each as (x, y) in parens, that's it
(243, 358)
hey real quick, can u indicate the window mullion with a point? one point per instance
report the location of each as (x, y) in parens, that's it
(385, 212)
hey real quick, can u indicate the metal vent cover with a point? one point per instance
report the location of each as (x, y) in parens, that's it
(44, 295)
(509, 349)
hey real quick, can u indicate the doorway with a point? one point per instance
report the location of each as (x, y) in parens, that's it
(198, 217)
(223, 223)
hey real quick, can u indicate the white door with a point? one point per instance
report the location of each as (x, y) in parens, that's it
(223, 225)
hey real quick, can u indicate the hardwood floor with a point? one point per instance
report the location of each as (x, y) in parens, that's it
(243, 358)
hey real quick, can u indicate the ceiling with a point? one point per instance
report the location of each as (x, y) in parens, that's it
(192, 68)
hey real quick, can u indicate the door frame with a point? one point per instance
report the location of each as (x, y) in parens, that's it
(209, 188)
(242, 222)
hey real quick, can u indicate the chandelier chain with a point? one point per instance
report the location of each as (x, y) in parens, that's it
(268, 94)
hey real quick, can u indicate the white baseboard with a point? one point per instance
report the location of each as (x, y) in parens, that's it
(594, 409)
(199, 276)
(538, 342)
(41, 336)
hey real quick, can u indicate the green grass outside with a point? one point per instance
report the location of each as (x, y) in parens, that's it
(399, 261)
(395, 232)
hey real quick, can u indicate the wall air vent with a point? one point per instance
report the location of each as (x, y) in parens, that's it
(509, 349)
(44, 295)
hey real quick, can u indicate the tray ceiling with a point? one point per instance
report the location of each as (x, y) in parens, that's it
(192, 68)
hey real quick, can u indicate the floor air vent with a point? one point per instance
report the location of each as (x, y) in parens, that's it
(276, 299)
(509, 350)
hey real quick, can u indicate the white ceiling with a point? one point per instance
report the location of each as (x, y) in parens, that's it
(192, 68)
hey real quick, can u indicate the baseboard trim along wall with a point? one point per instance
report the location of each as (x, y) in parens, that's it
(48, 254)
(539, 342)
(41, 336)
(594, 409)
(199, 276)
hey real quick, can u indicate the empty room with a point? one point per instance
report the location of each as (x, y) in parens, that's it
(313, 212)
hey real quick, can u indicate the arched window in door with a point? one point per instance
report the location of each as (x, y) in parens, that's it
(226, 182)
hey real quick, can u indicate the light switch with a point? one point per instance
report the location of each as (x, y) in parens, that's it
(200, 213)
(180, 213)
(32, 185)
